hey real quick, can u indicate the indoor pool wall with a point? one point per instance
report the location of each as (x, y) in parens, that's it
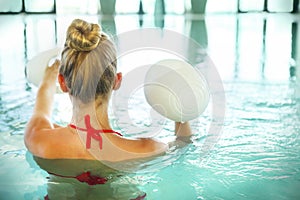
(257, 57)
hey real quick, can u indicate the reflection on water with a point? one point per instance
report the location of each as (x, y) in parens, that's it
(257, 56)
(295, 51)
(108, 25)
(252, 47)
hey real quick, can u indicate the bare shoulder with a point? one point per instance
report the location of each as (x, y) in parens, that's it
(46, 140)
(140, 145)
(55, 143)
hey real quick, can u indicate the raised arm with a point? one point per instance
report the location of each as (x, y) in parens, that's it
(44, 102)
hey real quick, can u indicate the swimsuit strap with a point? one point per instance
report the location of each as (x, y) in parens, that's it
(141, 197)
(86, 177)
(93, 133)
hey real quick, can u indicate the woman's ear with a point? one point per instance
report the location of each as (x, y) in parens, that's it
(62, 83)
(118, 81)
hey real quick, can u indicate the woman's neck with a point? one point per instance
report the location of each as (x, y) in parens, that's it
(98, 113)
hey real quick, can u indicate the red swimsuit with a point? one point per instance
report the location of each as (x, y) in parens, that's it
(93, 133)
(86, 177)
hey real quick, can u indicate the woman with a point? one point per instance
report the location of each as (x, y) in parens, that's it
(88, 73)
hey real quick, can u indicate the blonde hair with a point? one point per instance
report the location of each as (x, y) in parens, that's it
(88, 61)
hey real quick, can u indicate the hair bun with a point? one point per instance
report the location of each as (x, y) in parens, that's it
(83, 36)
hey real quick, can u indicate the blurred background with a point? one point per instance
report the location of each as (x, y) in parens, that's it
(249, 31)
(147, 6)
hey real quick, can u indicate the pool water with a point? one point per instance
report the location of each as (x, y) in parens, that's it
(258, 153)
